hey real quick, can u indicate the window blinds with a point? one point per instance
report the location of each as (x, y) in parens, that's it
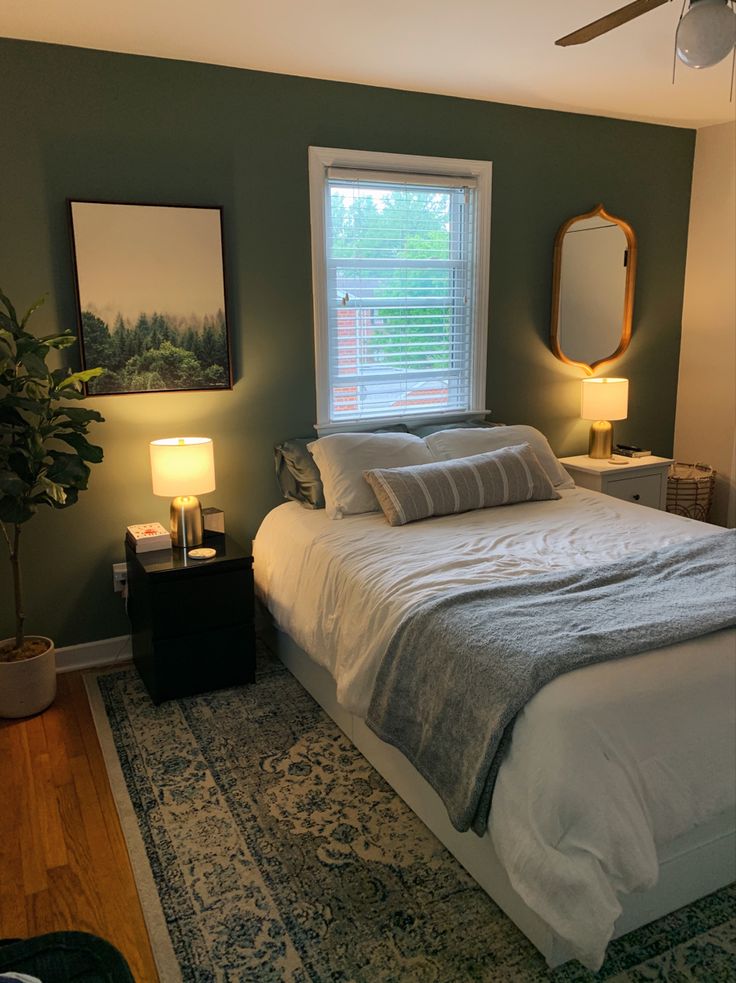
(400, 267)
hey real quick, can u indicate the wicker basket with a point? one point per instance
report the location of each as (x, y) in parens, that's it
(690, 490)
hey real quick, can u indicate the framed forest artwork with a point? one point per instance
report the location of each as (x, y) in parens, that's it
(151, 296)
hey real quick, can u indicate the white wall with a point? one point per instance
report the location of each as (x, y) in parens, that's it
(705, 424)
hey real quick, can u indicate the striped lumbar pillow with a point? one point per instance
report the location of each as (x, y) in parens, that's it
(510, 474)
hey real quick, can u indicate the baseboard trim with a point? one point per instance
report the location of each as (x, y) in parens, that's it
(93, 655)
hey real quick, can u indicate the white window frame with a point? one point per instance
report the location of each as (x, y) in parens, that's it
(323, 158)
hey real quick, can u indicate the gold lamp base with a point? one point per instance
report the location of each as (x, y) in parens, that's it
(600, 442)
(186, 522)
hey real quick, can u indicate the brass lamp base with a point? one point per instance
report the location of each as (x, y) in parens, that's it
(600, 442)
(186, 522)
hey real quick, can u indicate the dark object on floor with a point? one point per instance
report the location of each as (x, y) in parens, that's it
(65, 957)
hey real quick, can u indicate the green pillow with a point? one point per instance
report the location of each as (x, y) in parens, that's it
(297, 473)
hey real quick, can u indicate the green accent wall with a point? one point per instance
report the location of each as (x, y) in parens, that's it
(101, 126)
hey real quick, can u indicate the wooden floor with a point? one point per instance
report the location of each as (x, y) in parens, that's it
(63, 861)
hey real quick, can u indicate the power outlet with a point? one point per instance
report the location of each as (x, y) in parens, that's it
(119, 577)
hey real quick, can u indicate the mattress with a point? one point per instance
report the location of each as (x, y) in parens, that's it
(608, 764)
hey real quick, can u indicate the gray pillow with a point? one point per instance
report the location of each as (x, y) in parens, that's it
(502, 477)
(297, 472)
(428, 428)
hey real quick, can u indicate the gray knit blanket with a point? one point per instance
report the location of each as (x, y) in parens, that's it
(461, 666)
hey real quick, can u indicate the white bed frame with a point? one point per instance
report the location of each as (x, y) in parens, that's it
(692, 866)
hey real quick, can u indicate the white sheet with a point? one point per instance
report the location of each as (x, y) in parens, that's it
(607, 764)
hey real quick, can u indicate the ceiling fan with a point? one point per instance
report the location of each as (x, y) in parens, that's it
(706, 33)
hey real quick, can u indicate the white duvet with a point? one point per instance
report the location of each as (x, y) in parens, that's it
(607, 764)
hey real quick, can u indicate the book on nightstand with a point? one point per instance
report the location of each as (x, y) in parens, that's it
(627, 450)
(148, 536)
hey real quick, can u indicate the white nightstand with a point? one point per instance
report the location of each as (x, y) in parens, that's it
(642, 479)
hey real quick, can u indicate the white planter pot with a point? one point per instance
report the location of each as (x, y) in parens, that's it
(28, 686)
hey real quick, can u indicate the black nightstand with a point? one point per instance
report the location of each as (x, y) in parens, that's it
(192, 620)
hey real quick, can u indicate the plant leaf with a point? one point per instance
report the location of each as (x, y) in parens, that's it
(10, 309)
(50, 489)
(77, 378)
(34, 365)
(12, 484)
(77, 414)
(67, 470)
(64, 340)
(29, 343)
(10, 417)
(17, 459)
(87, 452)
(72, 497)
(34, 307)
(15, 510)
(69, 393)
(23, 403)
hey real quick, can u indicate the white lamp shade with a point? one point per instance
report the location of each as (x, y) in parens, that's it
(706, 34)
(604, 399)
(182, 466)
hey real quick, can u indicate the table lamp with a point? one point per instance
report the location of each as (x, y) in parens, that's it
(603, 400)
(181, 469)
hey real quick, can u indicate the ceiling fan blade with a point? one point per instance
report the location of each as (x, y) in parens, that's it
(604, 24)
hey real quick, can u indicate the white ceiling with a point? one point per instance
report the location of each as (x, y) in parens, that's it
(482, 49)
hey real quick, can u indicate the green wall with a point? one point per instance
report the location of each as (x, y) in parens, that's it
(94, 125)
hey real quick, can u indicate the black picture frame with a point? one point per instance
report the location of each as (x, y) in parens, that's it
(151, 296)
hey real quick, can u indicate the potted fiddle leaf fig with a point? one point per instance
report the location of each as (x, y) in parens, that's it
(45, 459)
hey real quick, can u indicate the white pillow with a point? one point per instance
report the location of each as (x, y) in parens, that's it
(446, 445)
(343, 457)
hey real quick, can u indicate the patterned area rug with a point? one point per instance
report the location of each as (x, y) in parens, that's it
(265, 847)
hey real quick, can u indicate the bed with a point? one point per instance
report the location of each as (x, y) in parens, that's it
(641, 819)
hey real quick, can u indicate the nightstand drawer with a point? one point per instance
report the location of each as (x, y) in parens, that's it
(226, 657)
(184, 604)
(644, 489)
(641, 480)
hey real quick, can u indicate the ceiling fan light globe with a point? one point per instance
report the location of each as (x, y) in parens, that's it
(706, 34)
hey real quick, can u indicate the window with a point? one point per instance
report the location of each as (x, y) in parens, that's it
(400, 253)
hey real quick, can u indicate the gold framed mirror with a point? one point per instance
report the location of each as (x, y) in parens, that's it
(593, 279)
